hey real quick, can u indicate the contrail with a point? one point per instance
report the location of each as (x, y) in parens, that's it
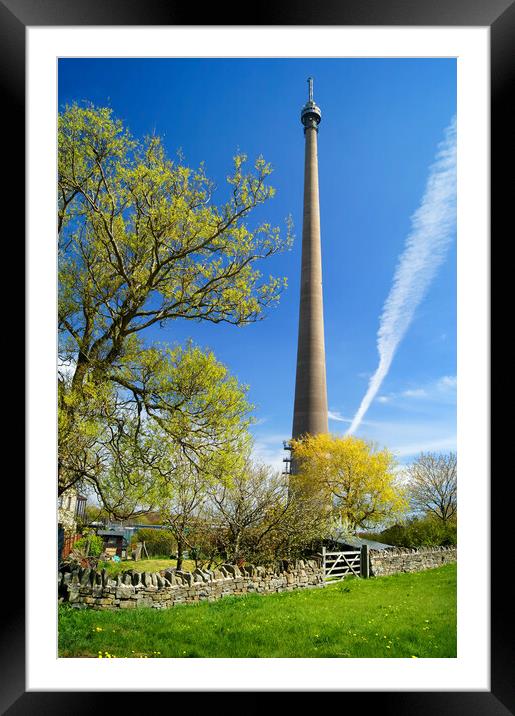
(432, 228)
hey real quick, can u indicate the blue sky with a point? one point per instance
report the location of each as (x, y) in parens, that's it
(382, 122)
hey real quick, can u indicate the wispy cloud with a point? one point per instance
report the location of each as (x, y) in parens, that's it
(407, 438)
(432, 229)
(260, 421)
(443, 444)
(268, 449)
(414, 393)
(441, 390)
(338, 417)
(447, 382)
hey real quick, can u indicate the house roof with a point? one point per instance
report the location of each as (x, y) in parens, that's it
(357, 542)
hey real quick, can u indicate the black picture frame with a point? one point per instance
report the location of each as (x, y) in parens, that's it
(499, 16)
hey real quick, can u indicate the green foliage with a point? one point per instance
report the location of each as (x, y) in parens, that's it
(91, 545)
(151, 518)
(426, 531)
(140, 244)
(94, 513)
(157, 542)
(402, 616)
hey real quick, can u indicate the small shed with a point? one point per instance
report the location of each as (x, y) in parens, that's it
(115, 542)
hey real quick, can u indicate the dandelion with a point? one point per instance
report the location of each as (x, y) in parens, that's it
(98, 629)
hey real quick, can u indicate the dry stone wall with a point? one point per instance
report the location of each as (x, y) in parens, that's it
(409, 560)
(87, 588)
(94, 589)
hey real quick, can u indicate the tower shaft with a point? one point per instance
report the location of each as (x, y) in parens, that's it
(310, 407)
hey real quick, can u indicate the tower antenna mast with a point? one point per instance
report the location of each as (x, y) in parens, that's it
(310, 83)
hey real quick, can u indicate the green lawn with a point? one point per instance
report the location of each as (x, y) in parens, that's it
(402, 616)
(145, 565)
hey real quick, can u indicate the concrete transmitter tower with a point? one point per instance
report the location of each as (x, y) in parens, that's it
(310, 408)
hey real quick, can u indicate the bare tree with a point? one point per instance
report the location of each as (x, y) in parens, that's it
(432, 483)
(262, 517)
(253, 499)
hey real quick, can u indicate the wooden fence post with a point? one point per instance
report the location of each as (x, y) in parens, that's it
(364, 562)
(323, 561)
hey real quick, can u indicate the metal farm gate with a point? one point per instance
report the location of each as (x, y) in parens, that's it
(337, 565)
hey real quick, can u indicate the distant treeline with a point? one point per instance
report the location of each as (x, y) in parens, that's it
(424, 531)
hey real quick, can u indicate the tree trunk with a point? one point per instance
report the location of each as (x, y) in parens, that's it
(180, 549)
(237, 547)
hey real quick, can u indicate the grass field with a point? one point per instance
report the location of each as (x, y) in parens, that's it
(402, 616)
(145, 565)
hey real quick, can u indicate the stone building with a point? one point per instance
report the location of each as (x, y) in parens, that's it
(71, 508)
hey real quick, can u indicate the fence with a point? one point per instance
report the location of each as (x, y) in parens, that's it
(68, 544)
(337, 565)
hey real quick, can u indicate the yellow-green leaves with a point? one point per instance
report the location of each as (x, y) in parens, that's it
(359, 481)
(142, 243)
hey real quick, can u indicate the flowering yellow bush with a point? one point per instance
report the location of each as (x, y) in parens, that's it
(358, 480)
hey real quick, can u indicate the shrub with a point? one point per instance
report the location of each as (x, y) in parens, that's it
(418, 532)
(92, 543)
(158, 543)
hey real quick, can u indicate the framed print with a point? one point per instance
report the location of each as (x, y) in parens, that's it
(38, 39)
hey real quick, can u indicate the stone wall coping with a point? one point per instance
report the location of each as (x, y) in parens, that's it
(407, 550)
(89, 588)
(226, 573)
